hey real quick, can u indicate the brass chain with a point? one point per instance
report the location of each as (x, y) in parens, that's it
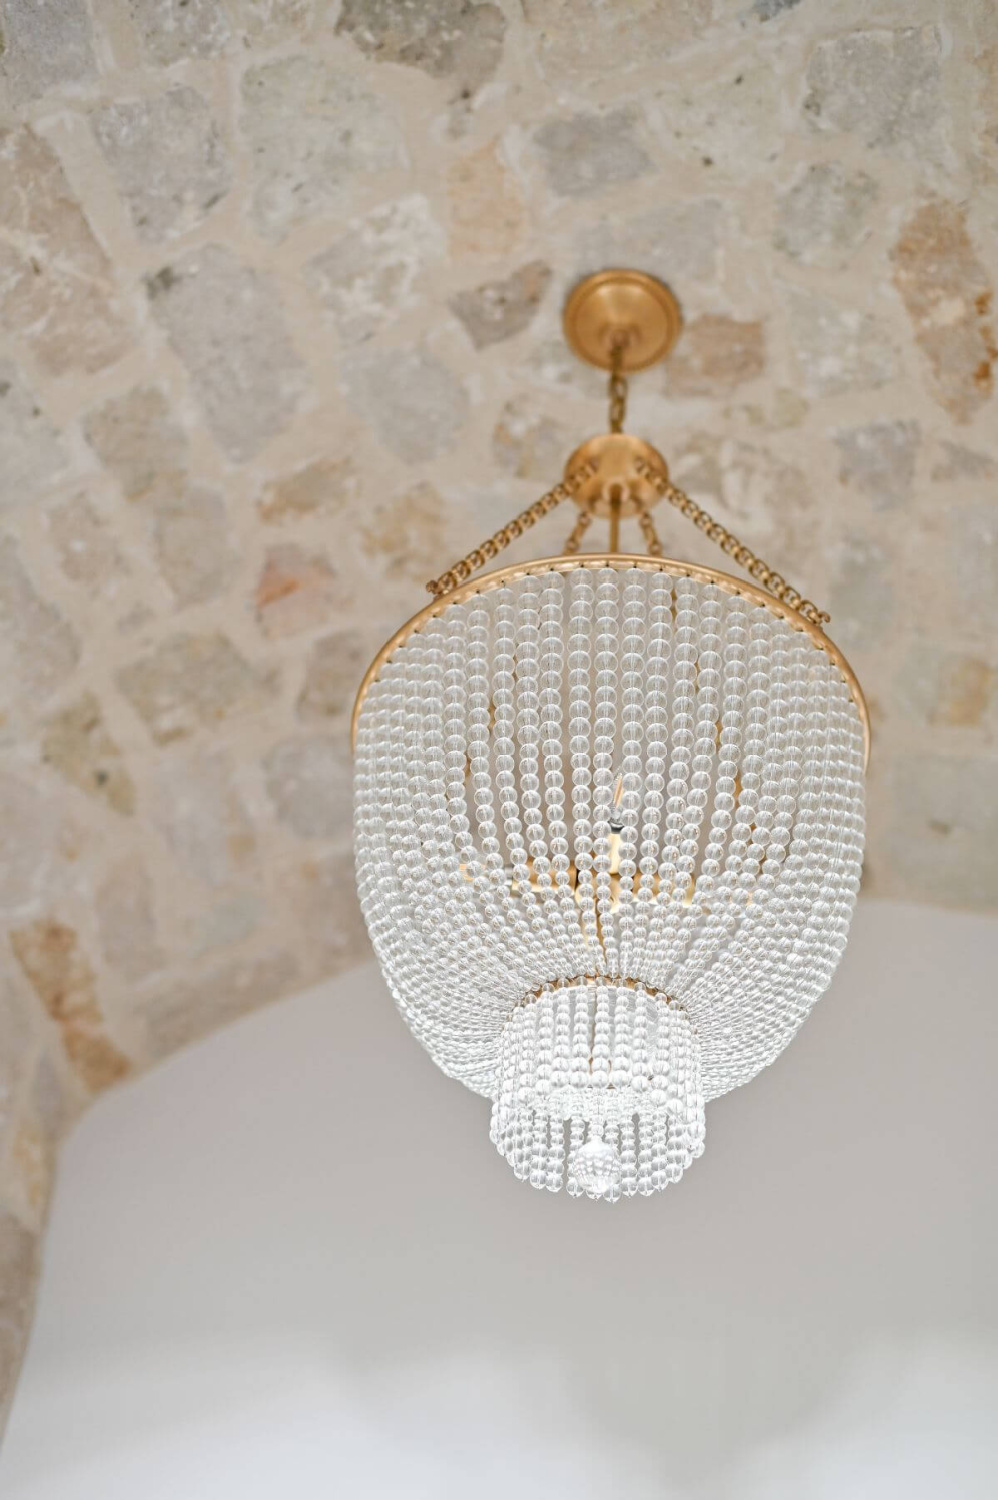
(578, 531)
(648, 530)
(616, 390)
(479, 556)
(773, 582)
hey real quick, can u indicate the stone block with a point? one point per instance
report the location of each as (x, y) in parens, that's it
(679, 242)
(530, 444)
(39, 650)
(487, 212)
(367, 277)
(416, 405)
(405, 536)
(57, 291)
(44, 46)
(87, 552)
(30, 843)
(126, 919)
(499, 310)
(883, 86)
(571, 47)
(308, 781)
(454, 39)
(327, 909)
(315, 131)
(714, 355)
(584, 154)
(137, 437)
(838, 347)
(948, 689)
(50, 954)
(171, 30)
(192, 540)
(226, 324)
(879, 461)
(31, 452)
(193, 681)
(296, 591)
(19, 1266)
(327, 486)
(943, 831)
(825, 216)
(168, 159)
(76, 743)
(197, 807)
(333, 670)
(192, 1009)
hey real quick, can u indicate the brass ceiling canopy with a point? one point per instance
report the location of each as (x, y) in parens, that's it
(608, 809)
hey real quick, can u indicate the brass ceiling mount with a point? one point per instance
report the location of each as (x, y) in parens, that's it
(627, 314)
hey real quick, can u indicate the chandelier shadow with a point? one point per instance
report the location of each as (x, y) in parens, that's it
(608, 836)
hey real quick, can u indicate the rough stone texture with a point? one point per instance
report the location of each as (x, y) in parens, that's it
(417, 405)
(584, 154)
(126, 919)
(333, 668)
(38, 648)
(31, 454)
(884, 86)
(137, 437)
(313, 130)
(309, 783)
(49, 952)
(19, 1262)
(367, 277)
(56, 283)
(225, 322)
(199, 811)
(879, 459)
(287, 372)
(296, 591)
(168, 159)
(44, 46)
(948, 297)
(715, 355)
(838, 347)
(172, 30)
(825, 216)
(191, 681)
(76, 743)
(452, 39)
(499, 310)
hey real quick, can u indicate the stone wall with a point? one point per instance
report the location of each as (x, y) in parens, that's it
(280, 285)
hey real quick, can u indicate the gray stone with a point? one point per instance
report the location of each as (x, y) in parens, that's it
(19, 1265)
(767, 10)
(190, 681)
(958, 462)
(883, 86)
(197, 807)
(715, 355)
(367, 277)
(226, 323)
(309, 784)
(824, 217)
(333, 668)
(724, 118)
(838, 348)
(583, 154)
(681, 241)
(57, 290)
(39, 650)
(499, 310)
(174, 29)
(168, 160)
(76, 743)
(313, 130)
(87, 551)
(137, 438)
(571, 44)
(126, 919)
(879, 460)
(447, 38)
(192, 540)
(29, 843)
(268, 23)
(185, 1012)
(972, 536)
(944, 831)
(415, 404)
(528, 443)
(227, 922)
(45, 43)
(861, 599)
(756, 491)
(31, 454)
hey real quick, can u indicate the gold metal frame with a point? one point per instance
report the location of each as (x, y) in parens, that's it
(619, 561)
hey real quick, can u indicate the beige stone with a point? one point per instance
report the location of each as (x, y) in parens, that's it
(192, 681)
(405, 535)
(679, 241)
(57, 290)
(126, 918)
(45, 47)
(296, 591)
(838, 347)
(368, 276)
(879, 460)
(326, 486)
(39, 650)
(172, 30)
(197, 806)
(499, 310)
(630, 31)
(943, 831)
(958, 462)
(49, 952)
(192, 540)
(19, 1264)
(30, 843)
(226, 323)
(31, 453)
(138, 438)
(185, 1012)
(584, 154)
(487, 212)
(76, 742)
(416, 405)
(326, 907)
(881, 85)
(308, 780)
(715, 355)
(268, 23)
(333, 669)
(825, 216)
(454, 39)
(87, 551)
(952, 689)
(948, 297)
(530, 444)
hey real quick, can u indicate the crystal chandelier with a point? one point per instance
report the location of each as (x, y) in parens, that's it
(609, 811)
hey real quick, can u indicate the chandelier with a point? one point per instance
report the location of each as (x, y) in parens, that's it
(609, 811)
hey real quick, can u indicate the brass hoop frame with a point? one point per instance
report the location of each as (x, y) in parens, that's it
(486, 583)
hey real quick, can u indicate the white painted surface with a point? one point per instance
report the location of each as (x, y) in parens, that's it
(251, 1293)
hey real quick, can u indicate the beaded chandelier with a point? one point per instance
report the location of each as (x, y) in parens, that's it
(609, 812)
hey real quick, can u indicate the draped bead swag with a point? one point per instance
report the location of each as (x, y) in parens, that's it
(609, 828)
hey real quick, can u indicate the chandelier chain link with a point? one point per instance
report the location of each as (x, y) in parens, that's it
(616, 388)
(578, 531)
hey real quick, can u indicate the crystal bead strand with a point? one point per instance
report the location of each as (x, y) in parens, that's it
(581, 611)
(632, 705)
(658, 649)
